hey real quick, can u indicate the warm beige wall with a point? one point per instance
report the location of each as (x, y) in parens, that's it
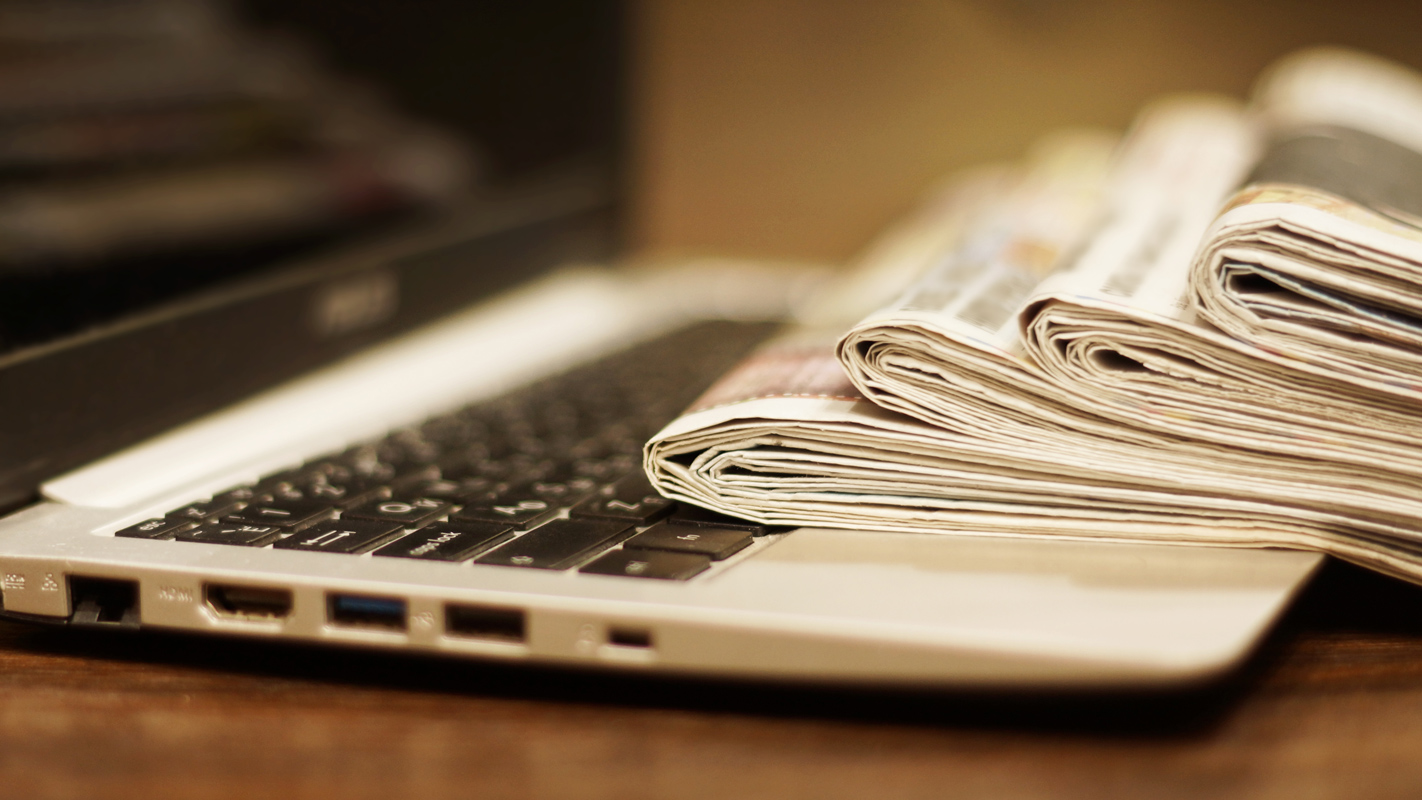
(801, 127)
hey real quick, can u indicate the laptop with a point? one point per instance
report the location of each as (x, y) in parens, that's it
(472, 487)
(429, 441)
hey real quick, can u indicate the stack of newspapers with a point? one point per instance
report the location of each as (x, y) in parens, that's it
(1207, 332)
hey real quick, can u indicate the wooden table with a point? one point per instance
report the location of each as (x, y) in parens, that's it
(1332, 706)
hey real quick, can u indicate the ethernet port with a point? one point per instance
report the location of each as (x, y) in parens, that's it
(103, 602)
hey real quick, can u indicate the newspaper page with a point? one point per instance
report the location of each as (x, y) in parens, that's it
(1110, 335)
(1318, 258)
(787, 439)
(1115, 330)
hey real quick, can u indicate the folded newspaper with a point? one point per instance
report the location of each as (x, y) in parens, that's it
(1208, 333)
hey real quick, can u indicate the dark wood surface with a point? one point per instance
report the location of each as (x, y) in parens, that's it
(1330, 707)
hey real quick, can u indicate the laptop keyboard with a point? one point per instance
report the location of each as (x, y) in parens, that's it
(546, 477)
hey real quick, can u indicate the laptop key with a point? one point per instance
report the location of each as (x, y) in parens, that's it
(356, 485)
(341, 536)
(287, 493)
(237, 494)
(656, 564)
(631, 499)
(289, 514)
(705, 518)
(341, 496)
(715, 543)
(563, 492)
(162, 528)
(197, 512)
(558, 545)
(408, 513)
(520, 514)
(296, 476)
(443, 489)
(449, 541)
(415, 473)
(234, 533)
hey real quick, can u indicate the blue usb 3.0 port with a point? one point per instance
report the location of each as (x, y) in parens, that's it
(365, 611)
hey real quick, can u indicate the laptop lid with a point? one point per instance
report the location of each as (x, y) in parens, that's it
(96, 359)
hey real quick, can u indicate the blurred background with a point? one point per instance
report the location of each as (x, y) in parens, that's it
(763, 128)
(800, 128)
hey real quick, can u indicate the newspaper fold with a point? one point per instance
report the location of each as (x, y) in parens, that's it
(1055, 371)
(1319, 256)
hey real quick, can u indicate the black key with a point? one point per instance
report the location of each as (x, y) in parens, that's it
(559, 544)
(519, 513)
(236, 533)
(604, 469)
(156, 529)
(415, 473)
(341, 496)
(408, 514)
(286, 493)
(237, 494)
(363, 461)
(296, 476)
(657, 564)
(701, 517)
(500, 492)
(355, 485)
(438, 488)
(341, 536)
(442, 489)
(291, 514)
(478, 467)
(406, 448)
(320, 490)
(562, 490)
(355, 481)
(567, 475)
(197, 512)
(449, 541)
(716, 543)
(631, 499)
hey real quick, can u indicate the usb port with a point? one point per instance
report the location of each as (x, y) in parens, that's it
(365, 611)
(250, 602)
(484, 622)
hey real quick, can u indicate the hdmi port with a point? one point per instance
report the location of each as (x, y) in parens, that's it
(248, 602)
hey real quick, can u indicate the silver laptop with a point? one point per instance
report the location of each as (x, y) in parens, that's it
(473, 488)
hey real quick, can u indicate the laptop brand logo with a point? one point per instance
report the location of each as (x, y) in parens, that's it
(355, 303)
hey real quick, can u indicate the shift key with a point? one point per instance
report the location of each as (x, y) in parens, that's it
(558, 545)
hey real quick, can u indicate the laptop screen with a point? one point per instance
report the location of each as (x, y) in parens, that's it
(184, 186)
